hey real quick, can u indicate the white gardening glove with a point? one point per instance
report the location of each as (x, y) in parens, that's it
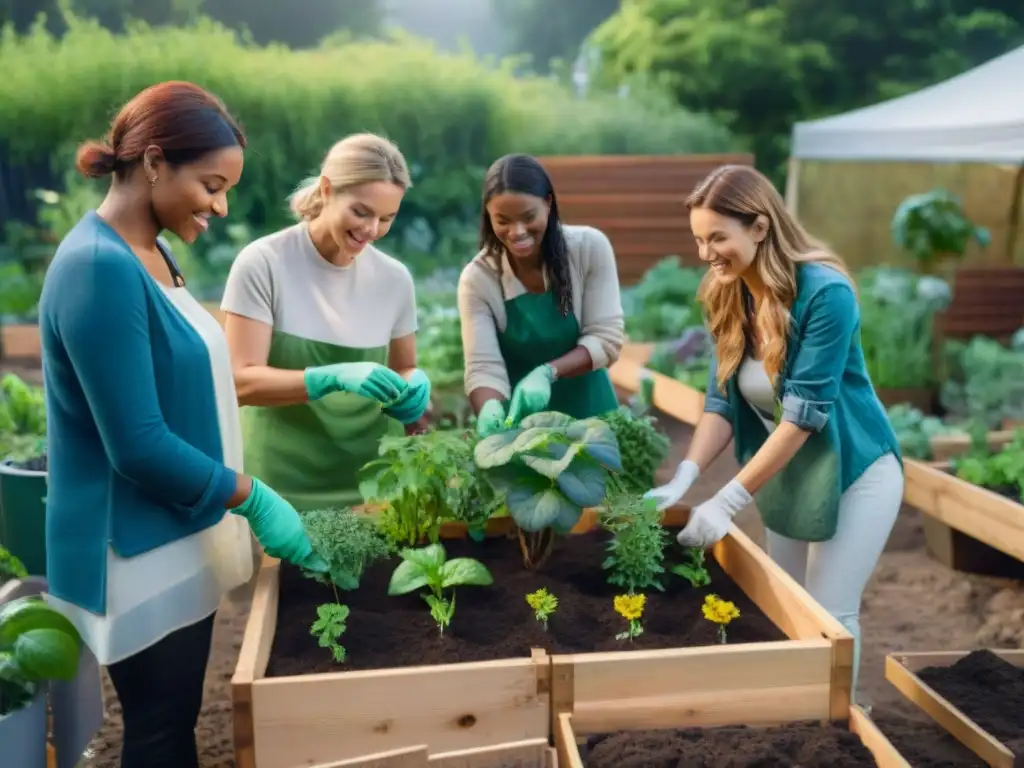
(710, 521)
(669, 494)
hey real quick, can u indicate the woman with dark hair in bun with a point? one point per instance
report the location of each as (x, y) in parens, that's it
(144, 441)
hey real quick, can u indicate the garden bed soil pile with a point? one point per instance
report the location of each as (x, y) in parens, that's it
(495, 622)
(988, 690)
(801, 745)
(925, 744)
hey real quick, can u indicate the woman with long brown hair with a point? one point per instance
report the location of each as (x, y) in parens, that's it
(788, 384)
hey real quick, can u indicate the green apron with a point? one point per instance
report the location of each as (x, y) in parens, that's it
(311, 453)
(537, 333)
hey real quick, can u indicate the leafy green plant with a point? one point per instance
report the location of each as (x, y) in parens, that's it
(693, 567)
(636, 549)
(686, 359)
(932, 226)
(423, 480)
(347, 541)
(429, 567)
(37, 644)
(22, 421)
(548, 469)
(544, 604)
(10, 567)
(641, 446)
(985, 382)
(1002, 470)
(915, 431)
(330, 625)
(664, 302)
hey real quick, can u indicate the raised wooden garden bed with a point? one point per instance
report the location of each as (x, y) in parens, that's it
(946, 447)
(463, 703)
(825, 744)
(973, 695)
(670, 396)
(957, 506)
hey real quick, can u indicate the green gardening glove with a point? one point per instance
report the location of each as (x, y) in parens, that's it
(277, 526)
(491, 418)
(532, 394)
(413, 404)
(372, 380)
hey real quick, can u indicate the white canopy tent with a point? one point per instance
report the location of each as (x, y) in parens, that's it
(975, 117)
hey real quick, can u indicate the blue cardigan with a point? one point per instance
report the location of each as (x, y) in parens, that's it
(823, 388)
(135, 456)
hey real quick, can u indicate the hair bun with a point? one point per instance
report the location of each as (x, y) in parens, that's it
(95, 159)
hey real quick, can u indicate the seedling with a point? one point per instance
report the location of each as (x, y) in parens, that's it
(329, 626)
(544, 604)
(631, 608)
(429, 567)
(636, 549)
(693, 568)
(719, 612)
(347, 541)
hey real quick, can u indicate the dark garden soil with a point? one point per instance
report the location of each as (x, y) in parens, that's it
(495, 622)
(988, 690)
(801, 745)
(925, 744)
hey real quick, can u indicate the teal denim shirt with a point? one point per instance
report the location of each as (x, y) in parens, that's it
(823, 388)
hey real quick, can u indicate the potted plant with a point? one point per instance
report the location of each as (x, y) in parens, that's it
(23, 472)
(37, 645)
(933, 229)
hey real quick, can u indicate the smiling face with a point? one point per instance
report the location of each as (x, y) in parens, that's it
(726, 243)
(186, 196)
(361, 214)
(519, 221)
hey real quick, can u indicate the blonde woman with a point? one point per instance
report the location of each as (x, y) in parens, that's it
(788, 383)
(321, 327)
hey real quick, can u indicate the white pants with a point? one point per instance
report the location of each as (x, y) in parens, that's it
(836, 571)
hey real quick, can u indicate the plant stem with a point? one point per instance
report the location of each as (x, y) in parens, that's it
(721, 633)
(536, 547)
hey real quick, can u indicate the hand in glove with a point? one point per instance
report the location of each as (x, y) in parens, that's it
(372, 380)
(670, 494)
(532, 394)
(491, 418)
(413, 404)
(710, 521)
(277, 526)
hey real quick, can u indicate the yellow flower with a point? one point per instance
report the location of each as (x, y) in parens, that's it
(719, 611)
(630, 607)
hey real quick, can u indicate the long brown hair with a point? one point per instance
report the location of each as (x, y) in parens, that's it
(742, 193)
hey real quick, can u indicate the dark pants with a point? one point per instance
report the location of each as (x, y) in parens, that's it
(161, 693)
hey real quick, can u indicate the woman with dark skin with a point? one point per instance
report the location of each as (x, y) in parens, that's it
(144, 440)
(539, 304)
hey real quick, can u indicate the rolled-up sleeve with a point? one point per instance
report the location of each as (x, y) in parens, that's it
(602, 331)
(715, 401)
(811, 386)
(484, 364)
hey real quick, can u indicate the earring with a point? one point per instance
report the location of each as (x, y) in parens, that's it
(152, 182)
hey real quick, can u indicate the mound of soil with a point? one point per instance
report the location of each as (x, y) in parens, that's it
(495, 622)
(988, 690)
(925, 744)
(801, 745)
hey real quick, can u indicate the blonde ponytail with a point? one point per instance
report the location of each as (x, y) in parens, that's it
(307, 200)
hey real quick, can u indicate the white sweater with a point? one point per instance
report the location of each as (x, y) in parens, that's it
(595, 300)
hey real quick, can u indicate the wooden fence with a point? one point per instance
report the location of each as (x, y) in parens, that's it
(638, 201)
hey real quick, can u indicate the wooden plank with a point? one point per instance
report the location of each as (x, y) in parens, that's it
(885, 754)
(977, 512)
(901, 670)
(532, 753)
(946, 447)
(410, 757)
(585, 206)
(671, 397)
(565, 743)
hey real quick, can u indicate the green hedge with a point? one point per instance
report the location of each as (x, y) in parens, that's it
(451, 114)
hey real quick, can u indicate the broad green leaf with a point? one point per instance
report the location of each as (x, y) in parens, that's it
(408, 577)
(28, 613)
(584, 483)
(502, 478)
(567, 519)
(598, 441)
(47, 654)
(496, 450)
(553, 460)
(428, 558)
(465, 570)
(534, 504)
(546, 420)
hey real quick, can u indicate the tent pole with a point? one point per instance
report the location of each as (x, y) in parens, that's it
(793, 185)
(1014, 229)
